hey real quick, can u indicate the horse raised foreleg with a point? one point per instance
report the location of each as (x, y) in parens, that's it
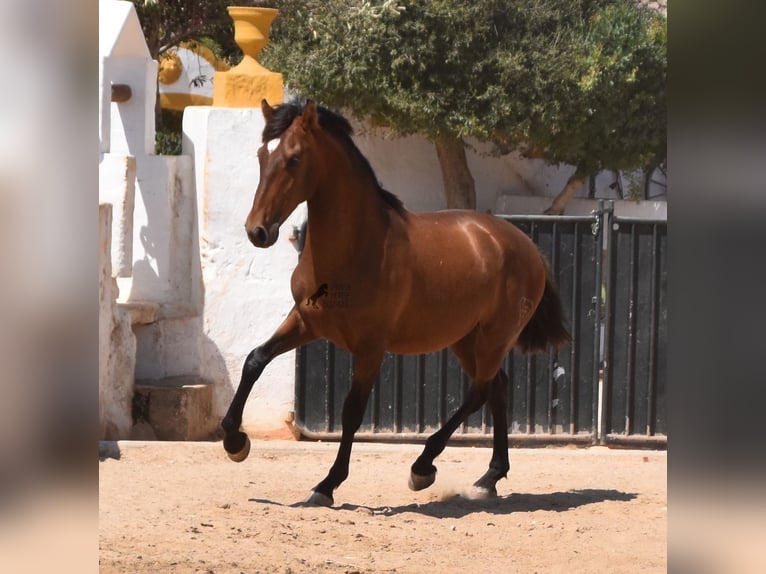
(423, 471)
(290, 334)
(365, 370)
(499, 465)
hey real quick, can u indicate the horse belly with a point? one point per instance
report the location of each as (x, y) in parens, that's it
(433, 324)
(413, 342)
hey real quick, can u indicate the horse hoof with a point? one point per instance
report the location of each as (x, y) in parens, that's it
(318, 499)
(419, 482)
(242, 453)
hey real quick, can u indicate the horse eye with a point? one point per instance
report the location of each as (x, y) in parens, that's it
(293, 162)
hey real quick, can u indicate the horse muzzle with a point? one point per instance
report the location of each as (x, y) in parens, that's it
(261, 236)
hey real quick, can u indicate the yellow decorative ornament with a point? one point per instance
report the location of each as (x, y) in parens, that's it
(170, 68)
(186, 76)
(246, 84)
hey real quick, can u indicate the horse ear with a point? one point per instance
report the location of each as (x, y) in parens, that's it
(310, 119)
(267, 110)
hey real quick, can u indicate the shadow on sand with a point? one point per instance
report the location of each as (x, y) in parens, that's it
(457, 506)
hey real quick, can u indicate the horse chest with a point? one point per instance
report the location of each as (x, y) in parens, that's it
(340, 308)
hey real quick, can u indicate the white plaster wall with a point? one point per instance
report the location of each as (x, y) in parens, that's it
(104, 106)
(247, 290)
(116, 344)
(117, 186)
(132, 129)
(119, 35)
(409, 168)
(104, 308)
(165, 252)
(166, 268)
(119, 30)
(194, 65)
(168, 347)
(124, 59)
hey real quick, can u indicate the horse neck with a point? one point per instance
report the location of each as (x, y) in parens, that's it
(346, 215)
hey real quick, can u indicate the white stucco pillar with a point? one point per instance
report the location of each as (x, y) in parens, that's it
(117, 186)
(247, 290)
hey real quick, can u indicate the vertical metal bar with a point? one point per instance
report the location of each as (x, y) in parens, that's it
(549, 412)
(653, 334)
(421, 376)
(508, 367)
(442, 387)
(329, 378)
(574, 365)
(604, 341)
(598, 305)
(630, 359)
(530, 395)
(350, 379)
(300, 383)
(398, 369)
(530, 390)
(465, 384)
(375, 418)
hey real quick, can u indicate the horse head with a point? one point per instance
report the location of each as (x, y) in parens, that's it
(285, 181)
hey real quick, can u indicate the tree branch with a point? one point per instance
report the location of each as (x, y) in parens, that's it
(194, 31)
(561, 201)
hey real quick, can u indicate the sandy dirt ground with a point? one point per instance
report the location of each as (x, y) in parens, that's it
(184, 507)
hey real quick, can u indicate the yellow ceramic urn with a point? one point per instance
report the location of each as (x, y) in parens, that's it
(247, 83)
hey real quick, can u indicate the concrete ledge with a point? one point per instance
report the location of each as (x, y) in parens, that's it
(141, 312)
(535, 205)
(176, 408)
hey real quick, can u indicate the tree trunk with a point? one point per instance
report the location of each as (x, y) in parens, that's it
(560, 202)
(459, 187)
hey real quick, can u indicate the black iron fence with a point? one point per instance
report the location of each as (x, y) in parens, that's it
(607, 386)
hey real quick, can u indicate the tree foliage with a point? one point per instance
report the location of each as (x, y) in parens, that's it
(612, 112)
(167, 23)
(580, 82)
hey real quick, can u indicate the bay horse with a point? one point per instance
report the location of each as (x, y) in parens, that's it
(411, 283)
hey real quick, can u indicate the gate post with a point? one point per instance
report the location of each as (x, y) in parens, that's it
(605, 339)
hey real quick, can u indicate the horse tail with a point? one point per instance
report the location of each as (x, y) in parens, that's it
(548, 326)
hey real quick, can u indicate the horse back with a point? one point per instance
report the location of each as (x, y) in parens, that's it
(457, 270)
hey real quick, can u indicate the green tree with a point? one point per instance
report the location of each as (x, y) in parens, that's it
(167, 23)
(617, 119)
(541, 78)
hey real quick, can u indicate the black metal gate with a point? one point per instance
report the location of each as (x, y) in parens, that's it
(607, 386)
(635, 332)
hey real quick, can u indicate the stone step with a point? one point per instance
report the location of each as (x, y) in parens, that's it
(174, 408)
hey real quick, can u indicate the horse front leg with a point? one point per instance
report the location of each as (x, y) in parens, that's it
(366, 368)
(292, 333)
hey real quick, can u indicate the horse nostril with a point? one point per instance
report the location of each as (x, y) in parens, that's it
(258, 236)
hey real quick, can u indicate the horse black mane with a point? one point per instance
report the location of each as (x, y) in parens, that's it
(339, 127)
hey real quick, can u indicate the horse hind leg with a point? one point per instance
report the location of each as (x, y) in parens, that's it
(423, 471)
(499, 465)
